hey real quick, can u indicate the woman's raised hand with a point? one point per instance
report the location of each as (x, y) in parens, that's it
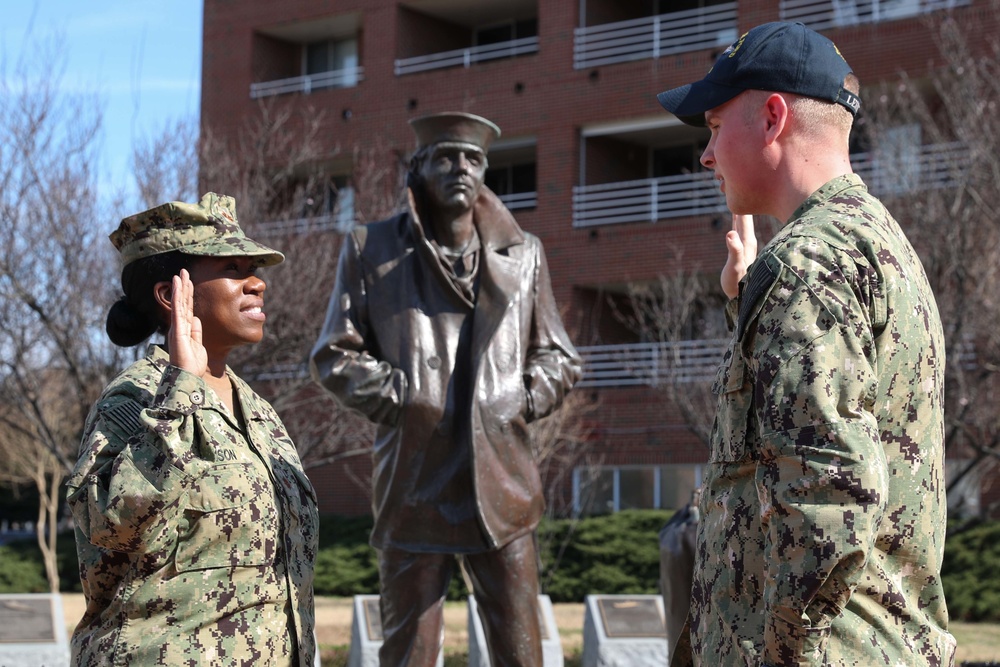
(185, 336)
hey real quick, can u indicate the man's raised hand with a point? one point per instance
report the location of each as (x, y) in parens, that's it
(742, 246)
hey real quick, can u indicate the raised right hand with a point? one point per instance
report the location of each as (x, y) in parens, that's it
(742, 246)
(184, 340)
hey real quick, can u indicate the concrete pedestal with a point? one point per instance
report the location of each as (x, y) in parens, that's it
(624, 631)
(33, 631)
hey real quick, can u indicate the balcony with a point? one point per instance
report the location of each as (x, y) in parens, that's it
(439, 34)
(826, 14)
(468, 56)
(341, 78)
(651, 199)
(647, 200)
(928, 167)
(520, 200)
(318, 223)
(637, 364)
(651, 364)
(305, 56)
(655, 36)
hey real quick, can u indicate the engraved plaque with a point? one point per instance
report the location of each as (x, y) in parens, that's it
(26, 620)
(624, 618)
(373, 619)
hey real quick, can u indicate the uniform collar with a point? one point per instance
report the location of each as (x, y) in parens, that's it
(828, 191)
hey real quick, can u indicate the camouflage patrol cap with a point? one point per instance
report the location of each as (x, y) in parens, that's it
(454, 127)
(207, 228)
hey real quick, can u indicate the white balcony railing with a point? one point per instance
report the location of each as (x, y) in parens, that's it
(334, 222)
(647, 200)
(655, 36)
(826, 14)
(520, 200)
(635, 364)
(651, 363)
(338, 78)
(467, 57)
(929, 167)
(652, 199)
(603, 365)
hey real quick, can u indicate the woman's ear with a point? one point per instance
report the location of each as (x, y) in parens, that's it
(163, 294)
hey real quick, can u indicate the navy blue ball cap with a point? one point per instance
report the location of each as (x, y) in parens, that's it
(781, 57)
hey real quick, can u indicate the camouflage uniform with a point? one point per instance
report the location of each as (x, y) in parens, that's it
(196, 531)
(823, 514)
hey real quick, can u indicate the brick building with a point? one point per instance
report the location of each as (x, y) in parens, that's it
(588, 161)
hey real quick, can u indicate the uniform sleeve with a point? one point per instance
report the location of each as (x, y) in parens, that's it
(821, 476)
(341, 361)
(137, 463)
(553, 365)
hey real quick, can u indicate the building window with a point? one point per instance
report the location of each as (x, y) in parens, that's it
(677, 160)
(332, 55)
(607, 489)
(514, 184)
(506, 32)
(512, 173)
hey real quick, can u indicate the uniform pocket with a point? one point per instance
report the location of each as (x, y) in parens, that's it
(734, 402)
(232, 520)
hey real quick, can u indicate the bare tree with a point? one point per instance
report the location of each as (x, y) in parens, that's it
(935, 155)
(57, 273)
(681, 315)
(166, 163)
(26, 461)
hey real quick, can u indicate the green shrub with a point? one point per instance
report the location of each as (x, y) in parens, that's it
(616, 554)
(971, 561)
(22, 570)
(613, 554)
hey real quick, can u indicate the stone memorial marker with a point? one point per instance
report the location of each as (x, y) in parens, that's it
(552, 655)
(33, 631)
(624, 631)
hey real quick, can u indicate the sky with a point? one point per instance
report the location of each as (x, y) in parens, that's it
(141, 57)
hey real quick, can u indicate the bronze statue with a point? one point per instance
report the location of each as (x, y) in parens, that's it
(443, 330)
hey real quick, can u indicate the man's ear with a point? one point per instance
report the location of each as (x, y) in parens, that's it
(775, 116)
(163, 294)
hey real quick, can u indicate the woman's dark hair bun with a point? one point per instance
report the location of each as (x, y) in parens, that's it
(126, 326)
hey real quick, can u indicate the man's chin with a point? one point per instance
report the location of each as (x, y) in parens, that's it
(459, 201)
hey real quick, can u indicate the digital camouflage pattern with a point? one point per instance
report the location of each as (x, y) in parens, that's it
(823, 511)
(208, 228)
(196, 542)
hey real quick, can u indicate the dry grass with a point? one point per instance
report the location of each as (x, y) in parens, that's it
(976, 641)
(333, 624)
